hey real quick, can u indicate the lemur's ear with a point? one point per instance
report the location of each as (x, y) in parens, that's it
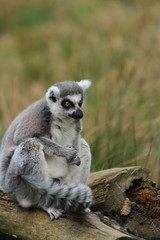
(84, 84)
(53, 94)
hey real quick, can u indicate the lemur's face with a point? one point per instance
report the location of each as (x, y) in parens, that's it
(72, 106)
(65, 99)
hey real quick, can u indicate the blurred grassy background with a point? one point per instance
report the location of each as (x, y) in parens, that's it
(115, 43)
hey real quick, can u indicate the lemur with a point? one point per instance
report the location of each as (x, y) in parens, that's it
(44, 161)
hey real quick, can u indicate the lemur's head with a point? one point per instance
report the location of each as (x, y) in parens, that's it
(65, 99)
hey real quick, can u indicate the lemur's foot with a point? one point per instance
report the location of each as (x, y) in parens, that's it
(87, 210)
(54, 213)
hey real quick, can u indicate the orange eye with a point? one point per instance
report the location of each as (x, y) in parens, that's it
(67, 104)
(80, 103)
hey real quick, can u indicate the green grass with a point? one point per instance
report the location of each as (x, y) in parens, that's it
(116, 44)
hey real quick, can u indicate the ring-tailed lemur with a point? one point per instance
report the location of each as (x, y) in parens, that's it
(44, 162)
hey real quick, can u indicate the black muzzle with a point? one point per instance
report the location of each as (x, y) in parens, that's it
(77, 114)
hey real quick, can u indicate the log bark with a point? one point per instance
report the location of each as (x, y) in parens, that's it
(115, 211)
(128, 197)
(16, 223)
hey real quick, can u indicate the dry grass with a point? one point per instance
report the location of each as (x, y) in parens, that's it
(114, 43)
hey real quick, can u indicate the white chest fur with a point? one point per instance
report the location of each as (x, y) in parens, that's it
(63, 135)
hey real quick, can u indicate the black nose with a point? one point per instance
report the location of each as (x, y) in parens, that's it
(78, 114)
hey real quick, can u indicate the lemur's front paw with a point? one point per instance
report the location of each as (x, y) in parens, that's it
(76, 161)
(70, 153)
(72, 156)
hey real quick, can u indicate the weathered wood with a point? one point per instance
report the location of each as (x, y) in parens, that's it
(111, 184)
(130, 198)
(113, 191)
(35, 224)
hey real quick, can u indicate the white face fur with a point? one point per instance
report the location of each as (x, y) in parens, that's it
(67, 106)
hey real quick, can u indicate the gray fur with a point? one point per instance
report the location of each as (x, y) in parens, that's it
(50, 148)
(28, 181)
(69, 88)
(37, 139)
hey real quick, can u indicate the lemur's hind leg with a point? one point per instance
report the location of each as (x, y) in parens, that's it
(83, 171)
(27, 177)
(27, 171)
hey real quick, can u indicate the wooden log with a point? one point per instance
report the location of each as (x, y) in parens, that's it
(16, 223)
(127, 196)
(114, 200)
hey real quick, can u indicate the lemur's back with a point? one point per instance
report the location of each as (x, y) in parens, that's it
(32, 121)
